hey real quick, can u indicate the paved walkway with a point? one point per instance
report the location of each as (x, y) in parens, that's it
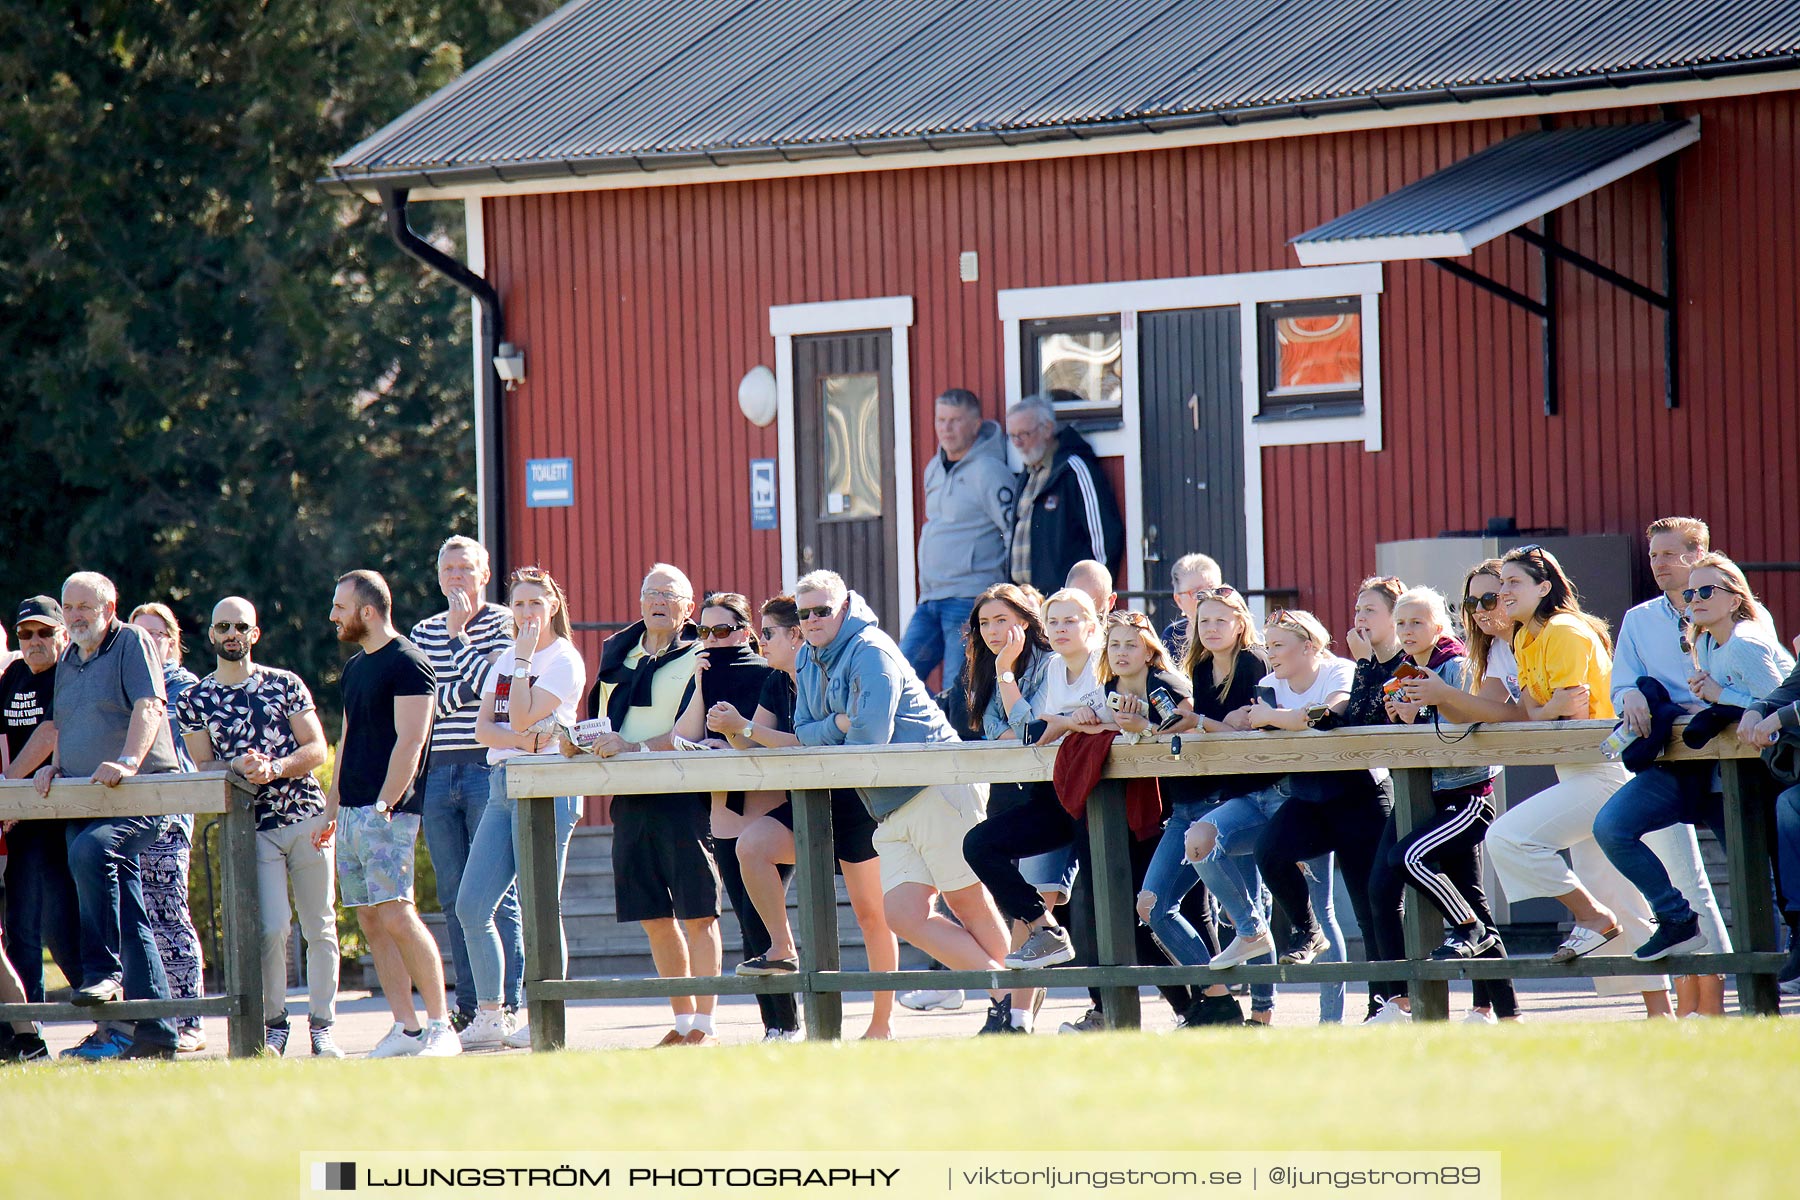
(625, 1024)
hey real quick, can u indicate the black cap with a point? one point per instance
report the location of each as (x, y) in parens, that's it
(40, 608)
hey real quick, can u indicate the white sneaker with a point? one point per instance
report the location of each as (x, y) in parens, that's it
(1390, 1013)
(486, 1032)
(397, 1044)
(1477, 1017)
(518, 1034)
(925, 998)
(440, 1041)
(1242, 950)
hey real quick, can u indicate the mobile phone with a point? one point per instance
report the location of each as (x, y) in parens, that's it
(1162, 707)
(1267, 696)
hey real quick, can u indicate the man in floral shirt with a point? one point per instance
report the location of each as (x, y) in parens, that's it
(260, 722)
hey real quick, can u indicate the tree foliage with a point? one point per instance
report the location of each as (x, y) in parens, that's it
(224, 379)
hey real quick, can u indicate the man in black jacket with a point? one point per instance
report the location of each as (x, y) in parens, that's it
(1066, 508)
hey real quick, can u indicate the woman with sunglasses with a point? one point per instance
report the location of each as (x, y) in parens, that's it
(1223, 662)
(1737, 661)
(1565, 668)
(765, 844)
(1305, 678)
(1345, 813)
(535, 684)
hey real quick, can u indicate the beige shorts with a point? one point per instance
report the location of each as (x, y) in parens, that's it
(922, 841)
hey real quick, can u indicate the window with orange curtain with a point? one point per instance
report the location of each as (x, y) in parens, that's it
(1311, 357)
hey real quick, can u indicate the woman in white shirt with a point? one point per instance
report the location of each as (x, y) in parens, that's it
(534, 683)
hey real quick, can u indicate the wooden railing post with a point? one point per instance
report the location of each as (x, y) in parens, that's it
(1424, 926)
(818, 933)
(241, 914)
(540, 913)
(1747, 798)
(1115, 913)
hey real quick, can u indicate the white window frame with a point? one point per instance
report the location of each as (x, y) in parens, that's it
(894, 316)
(1244, 291)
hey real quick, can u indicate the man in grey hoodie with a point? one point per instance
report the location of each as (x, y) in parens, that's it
(854, 688)
(969, 490)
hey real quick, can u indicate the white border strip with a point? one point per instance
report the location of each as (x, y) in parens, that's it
(475, 233)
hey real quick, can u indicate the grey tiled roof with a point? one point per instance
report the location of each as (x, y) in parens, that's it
(624, 85)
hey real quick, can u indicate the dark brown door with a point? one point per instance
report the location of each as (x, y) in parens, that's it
(844, 438)
(1192, 408)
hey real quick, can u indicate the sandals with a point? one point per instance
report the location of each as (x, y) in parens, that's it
(1583, 941)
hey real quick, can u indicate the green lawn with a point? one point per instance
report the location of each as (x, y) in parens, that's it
(1603, 1110)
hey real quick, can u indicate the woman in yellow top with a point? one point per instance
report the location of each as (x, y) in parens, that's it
(1565, 672)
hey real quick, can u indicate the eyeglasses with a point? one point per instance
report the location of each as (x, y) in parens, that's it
(655, 594)
(1486, 602)
(34, 632)
(1019, 439)
(720, 631)
(817, 612)
(224, 627)
(1705, 591)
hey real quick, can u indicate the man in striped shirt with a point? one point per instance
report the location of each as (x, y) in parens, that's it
(462, 643)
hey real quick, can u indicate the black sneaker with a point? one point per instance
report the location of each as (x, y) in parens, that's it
(1465, 941)
(1672, 937)
(24, 1048)
(460, 1020)
(763, 965)
(1213, 1010)
(999, 1018)
(275, 1039)
(1304, 947)
(1788, 978)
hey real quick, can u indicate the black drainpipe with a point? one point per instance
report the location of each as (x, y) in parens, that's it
(492, 329)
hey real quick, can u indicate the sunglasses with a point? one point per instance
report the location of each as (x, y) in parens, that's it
(529, 575)
(719, 631)
(32, 633)
(767, 632)
(817, 612)
(1705, 591)
(224, 627)
(1486, 602)
(1222, 592)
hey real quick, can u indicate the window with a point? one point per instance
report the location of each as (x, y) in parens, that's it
(1076, 362)
(1311, 354)
(851, 408)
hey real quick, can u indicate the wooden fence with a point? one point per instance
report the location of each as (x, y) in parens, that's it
(241, 1004)
(1409, 752)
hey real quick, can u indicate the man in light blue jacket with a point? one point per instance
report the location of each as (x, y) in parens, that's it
(855, 688)
(969, 490)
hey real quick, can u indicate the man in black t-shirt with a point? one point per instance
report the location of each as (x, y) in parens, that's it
(388, 688)
(40, 893)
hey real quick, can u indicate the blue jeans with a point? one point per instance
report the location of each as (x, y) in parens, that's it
(115, 928)
(1656, 799)
(491, 875)
(1787, 850)
(935, 634)
(456, 793)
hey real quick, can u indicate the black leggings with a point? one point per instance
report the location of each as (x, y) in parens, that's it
(1442, 858)
(1342, 813)
(780, 1010)
(1037, 826)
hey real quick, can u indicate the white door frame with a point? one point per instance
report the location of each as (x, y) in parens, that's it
(894, 316)
(1243, 291)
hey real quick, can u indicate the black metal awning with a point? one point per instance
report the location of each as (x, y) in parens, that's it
(1500, 190)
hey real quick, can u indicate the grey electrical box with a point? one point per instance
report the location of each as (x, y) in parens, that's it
(1602, 566)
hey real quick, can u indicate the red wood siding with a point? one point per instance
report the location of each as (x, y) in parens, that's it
(640, 310)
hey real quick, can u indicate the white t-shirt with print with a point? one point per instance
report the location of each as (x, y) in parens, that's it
(1334, 676)
(557, 669)
(1503, 666)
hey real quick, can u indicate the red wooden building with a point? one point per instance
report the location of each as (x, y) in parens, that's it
(873, 201)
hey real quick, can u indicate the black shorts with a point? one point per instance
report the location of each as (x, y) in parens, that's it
(852, 828)
(663, 859)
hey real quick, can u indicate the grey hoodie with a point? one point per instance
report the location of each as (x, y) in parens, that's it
(968, 518)
(863, 675)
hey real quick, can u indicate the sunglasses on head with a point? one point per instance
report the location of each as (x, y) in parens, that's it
(1486, 602)
(31, 633)
(1705, 591)
(529, 575)
(817, 612)
(720, 631)
(224, 627)
(1222, 592)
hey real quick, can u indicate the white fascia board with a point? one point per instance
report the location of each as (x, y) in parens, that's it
(1337, 251)
(841, 316)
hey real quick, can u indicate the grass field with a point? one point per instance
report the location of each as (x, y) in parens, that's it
(1602, 1110)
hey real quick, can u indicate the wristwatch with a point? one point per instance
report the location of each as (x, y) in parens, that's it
(748, 732)
(130, 761)
(522, 670)
(1008, 677)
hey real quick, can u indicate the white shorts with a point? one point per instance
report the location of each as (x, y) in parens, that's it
(922, 840)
